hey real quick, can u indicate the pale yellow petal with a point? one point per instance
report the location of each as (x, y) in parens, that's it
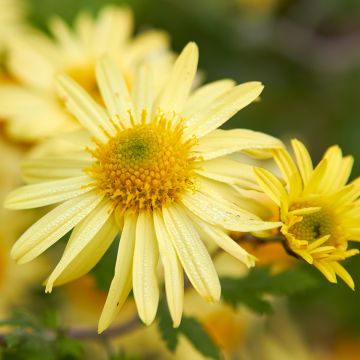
(221, 213)
(224, 241)
(177, 88)
(50, 168)
(50, 228)
(81, 236)
(290, 172)
(222, 109)
(90, 255)
(122, 281)
(143, 93)
(47, 193)
(84, 108)
(192, 253)
(222, 142)
(146, 255)
(174, 276)
(303, 160)
(229, 171)
(114, 91)
(203, 97)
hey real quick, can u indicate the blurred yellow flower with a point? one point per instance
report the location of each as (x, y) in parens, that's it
(11, 17)
(319, 212)
(34, 59)
(156, 171)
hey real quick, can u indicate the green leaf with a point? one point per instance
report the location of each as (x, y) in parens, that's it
(190, 328)
(165, 324)
(199, 338)
(252, 289)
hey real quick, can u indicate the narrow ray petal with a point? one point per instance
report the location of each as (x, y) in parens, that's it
(50, 228)
(146, 254)
(122, 281)
(192, 253)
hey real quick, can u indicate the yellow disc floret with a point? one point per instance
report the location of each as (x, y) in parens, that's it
(144, 167)
(315, 225)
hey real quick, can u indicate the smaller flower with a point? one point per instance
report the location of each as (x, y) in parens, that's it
(320, 212)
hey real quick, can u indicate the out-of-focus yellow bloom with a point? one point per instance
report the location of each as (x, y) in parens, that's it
(319, 212)
(14, 281)
(156, 171)
(11, 17)
(31, 105)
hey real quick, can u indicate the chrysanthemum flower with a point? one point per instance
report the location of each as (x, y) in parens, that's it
(320, 212)
(156, 172)
(34, 59)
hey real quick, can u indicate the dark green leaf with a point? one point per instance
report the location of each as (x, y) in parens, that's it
(168, 333)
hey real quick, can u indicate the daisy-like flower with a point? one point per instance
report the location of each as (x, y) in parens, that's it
(34, 59)
(156, 171)
(320, 212)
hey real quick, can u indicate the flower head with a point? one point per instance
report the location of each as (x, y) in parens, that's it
(318, 209)
(35, 59)
(155, 171)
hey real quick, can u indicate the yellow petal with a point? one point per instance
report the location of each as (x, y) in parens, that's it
(224, 241)
(51, 227)
(84, 108)
(177, 87)
(122, 281)
(203, 97)
(221, 213)
(174, 277)
(222, 109)
(222, 142)
(145, 284)
(314, 184)
(114, 91)
(343, 274)
(80, 238)
(90, 255)
(303, 160)
(192, 253)
(47, 193)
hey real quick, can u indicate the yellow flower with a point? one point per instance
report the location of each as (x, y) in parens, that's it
(156, 171)
(319, 212)
(11, 16)
(34, 59)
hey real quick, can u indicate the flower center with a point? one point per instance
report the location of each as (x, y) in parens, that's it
(144, 167)
(312, 226)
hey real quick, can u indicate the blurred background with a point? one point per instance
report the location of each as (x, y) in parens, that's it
(307, 53)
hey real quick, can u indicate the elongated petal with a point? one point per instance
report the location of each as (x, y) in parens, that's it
(203, 97)
(303, 160)
(114, 90)
(192, 253)
(177, 87)
(146, 254)
(47, 193)
(174, 277)
(143, 92)
(230, 172)
(47, 169)
(91, 253)
(223, 108)
(81, 236)
(50, 228)
(272, 187)
(314, 184)
(289, 170)
(122, 281)
(220, 213)
(224, 241)
(223, 142)
(84, 108)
